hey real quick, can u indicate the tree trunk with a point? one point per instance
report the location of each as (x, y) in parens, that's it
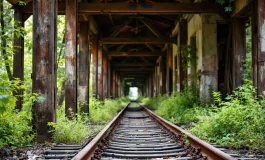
(3, 44)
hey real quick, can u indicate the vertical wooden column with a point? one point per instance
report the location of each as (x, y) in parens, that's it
(84, 66)
(168, 66)
(95, 65)
(44, 62)
(70, 57)
(109, 78)
(18, 61)
(239, 51)
(183, 34)
(119, 86)
(164, 75)
(113, 84)
(105, 76)
(258, 56)
(100, 73)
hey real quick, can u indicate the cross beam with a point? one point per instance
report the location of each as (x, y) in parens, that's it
(134, 64)
(133, 54)
(139, 40)
(129, 8)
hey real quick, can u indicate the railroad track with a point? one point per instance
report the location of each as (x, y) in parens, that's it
(138, 133)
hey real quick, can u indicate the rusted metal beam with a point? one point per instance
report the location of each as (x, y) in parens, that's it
(239, 51)
(100, 72)
(84, 66)
(18, 60)
(134, 54)
(71, 58)
(95, 65)
(105, 76)
(44, 71)
(139, 40)
(128, 8)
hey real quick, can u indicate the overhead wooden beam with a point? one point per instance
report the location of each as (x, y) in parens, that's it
(120, 27)
(93, 25)
(133, 54)
(133, 69)
(128, 8)
(133, 64)
(150, 47)
(152, 28)
(140, 40)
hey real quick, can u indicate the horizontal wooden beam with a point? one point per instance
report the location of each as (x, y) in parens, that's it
(133, 69)
(141, 40)
(133, 54)
(128, 8)
(133, 64)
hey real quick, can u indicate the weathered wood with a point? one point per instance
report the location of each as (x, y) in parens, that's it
(109, 78)
(120, 27)
(134, 54)
(71, 58)
(239, 51)
(100, 72)
(84, 66)
(183, 37)
(113, 84)
(133, 69)
(105, 76)
(18, 60)
(44, 71)
(134, 64)
(261, 47)
(152, 28)
(95, 65)
(139, 40)
(128, 8)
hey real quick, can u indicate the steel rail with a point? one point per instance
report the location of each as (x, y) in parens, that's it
(88, 151)
(206, 149)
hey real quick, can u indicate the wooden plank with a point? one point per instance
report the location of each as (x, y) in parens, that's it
(70, 58)
(84, 67)
(44, 71)
(239, 51)
(18, 60)
(133, 64)
(133, 54)
(105, 76)
(139, 40)
(95, 65)
(128, 8)
(100, 73)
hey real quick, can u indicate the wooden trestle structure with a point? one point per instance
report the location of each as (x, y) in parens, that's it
(137, 43)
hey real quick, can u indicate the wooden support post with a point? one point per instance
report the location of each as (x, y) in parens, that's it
(113, 84)
(44, 71)
(168, 66)
(239, 51)
(18, 61)
(100, 73)
(105, 76)
(95, 65)
(71, 58)
(164, 74)
(259, 49)
(109, 78)
(84, 66)
(183, 35)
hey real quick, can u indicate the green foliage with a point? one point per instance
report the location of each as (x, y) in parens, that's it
(237, 123)
(229, 4)
(15, 126)
(70, 131)
(103, 112)
(189, 59)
